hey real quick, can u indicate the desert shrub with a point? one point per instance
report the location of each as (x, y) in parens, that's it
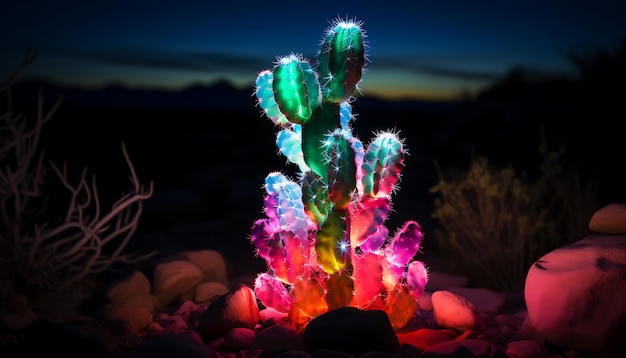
(38, 254)
(493, 223)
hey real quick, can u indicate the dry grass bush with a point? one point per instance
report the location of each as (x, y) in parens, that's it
(39, 255)
(493, 223)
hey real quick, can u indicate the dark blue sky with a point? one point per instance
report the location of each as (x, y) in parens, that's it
(417, 48)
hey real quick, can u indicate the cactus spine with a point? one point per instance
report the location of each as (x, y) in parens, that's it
(324, 237)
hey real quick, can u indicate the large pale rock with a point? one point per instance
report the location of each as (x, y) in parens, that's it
(174, 279)
(456, 312)
(576, 295)
(610, 219)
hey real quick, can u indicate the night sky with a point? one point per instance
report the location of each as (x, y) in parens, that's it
(425, 49)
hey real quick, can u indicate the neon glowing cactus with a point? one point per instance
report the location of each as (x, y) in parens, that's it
(324, 237)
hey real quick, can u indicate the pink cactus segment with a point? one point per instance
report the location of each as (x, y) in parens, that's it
(367, 278)
(416, 278)
(392, 274)
(272, 293)
(405, 244)
(270, 205)
(261, 235)
(366, 218)
(295, 258)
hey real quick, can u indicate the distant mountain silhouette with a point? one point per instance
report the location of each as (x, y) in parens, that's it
(220, 95)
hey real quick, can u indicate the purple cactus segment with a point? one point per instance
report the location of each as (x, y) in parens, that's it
(375, 241)
(416, 278)
(272, 293)
(366, 218)
(290, 209)
(266, 100)
(405, 244)
(270, 205)
(262, 232)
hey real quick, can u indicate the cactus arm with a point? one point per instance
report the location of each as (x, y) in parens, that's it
(266, 100)
(341, 60)
(315, 196)
(366, 220)
(272, 293)
(405, 244)
(289, 143)
(296, 88)
(382, 164)
(331, 244)
(341, 167)
(325, 120)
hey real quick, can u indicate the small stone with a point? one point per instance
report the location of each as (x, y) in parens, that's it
(610, 219)
(456, 312)
(235, 309)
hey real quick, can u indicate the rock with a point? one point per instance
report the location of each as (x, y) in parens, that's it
(351, 331)
(16, 314)
(235, 309)
(278, 338)
(173, 279)
(610, 219)
(208, 291)
(576, 296)
(169, 345)
(123, 319)
(476, 348)
(427, 337)
(210, 262)
(526, 348)
(456, 312)
(134, 284)
(238, 339)
(488, 302)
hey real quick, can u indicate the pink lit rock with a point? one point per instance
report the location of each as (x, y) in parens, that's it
(235, 309)
(278, 338)
(426, 337)
(610, 219)
(576, 295)
(456, 312)
(462, 348)
(238, 339)
(488, 302)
